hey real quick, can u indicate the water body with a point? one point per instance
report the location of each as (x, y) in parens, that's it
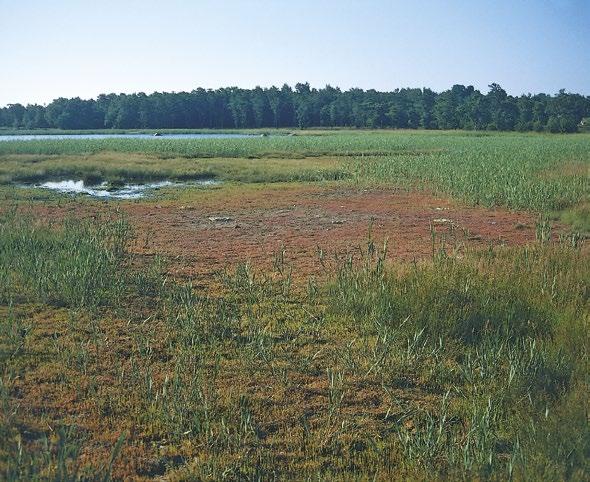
(34, 137)
(127, 191)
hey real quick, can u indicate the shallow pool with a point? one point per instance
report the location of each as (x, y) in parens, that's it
(104, 190)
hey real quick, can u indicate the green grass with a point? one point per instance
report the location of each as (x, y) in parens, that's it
(76, 264)
(520, 171)
(470, 367)
(577, 216)
(109, 166)
(4, 131)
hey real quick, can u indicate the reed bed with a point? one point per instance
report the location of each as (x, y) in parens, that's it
(521, 171)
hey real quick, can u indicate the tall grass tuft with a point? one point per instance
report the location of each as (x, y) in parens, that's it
(76, 264)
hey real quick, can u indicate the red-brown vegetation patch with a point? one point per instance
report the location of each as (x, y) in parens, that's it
(211, 233)
(203, 233)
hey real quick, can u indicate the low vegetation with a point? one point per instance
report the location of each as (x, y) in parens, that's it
(468, 364)
(520, 171)
(474, 366)
(135, 167)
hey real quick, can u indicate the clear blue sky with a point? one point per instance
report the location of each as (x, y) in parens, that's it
(82, 48)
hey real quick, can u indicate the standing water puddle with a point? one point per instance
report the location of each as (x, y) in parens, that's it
(127, 191)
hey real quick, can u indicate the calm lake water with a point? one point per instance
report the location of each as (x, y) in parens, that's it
(33, 137)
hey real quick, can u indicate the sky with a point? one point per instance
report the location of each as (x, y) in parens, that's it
(83, 48)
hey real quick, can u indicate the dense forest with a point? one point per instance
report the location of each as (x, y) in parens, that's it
(457, 108)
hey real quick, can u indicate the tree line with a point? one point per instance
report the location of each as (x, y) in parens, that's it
(460, 107)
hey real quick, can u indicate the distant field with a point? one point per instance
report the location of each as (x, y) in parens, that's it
(342, 305)
(6, 131)
(522, 171)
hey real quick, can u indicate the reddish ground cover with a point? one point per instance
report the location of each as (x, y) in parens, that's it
(209, 234)
(204, 232)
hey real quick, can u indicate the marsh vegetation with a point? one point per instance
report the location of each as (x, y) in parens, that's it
(469, 362)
